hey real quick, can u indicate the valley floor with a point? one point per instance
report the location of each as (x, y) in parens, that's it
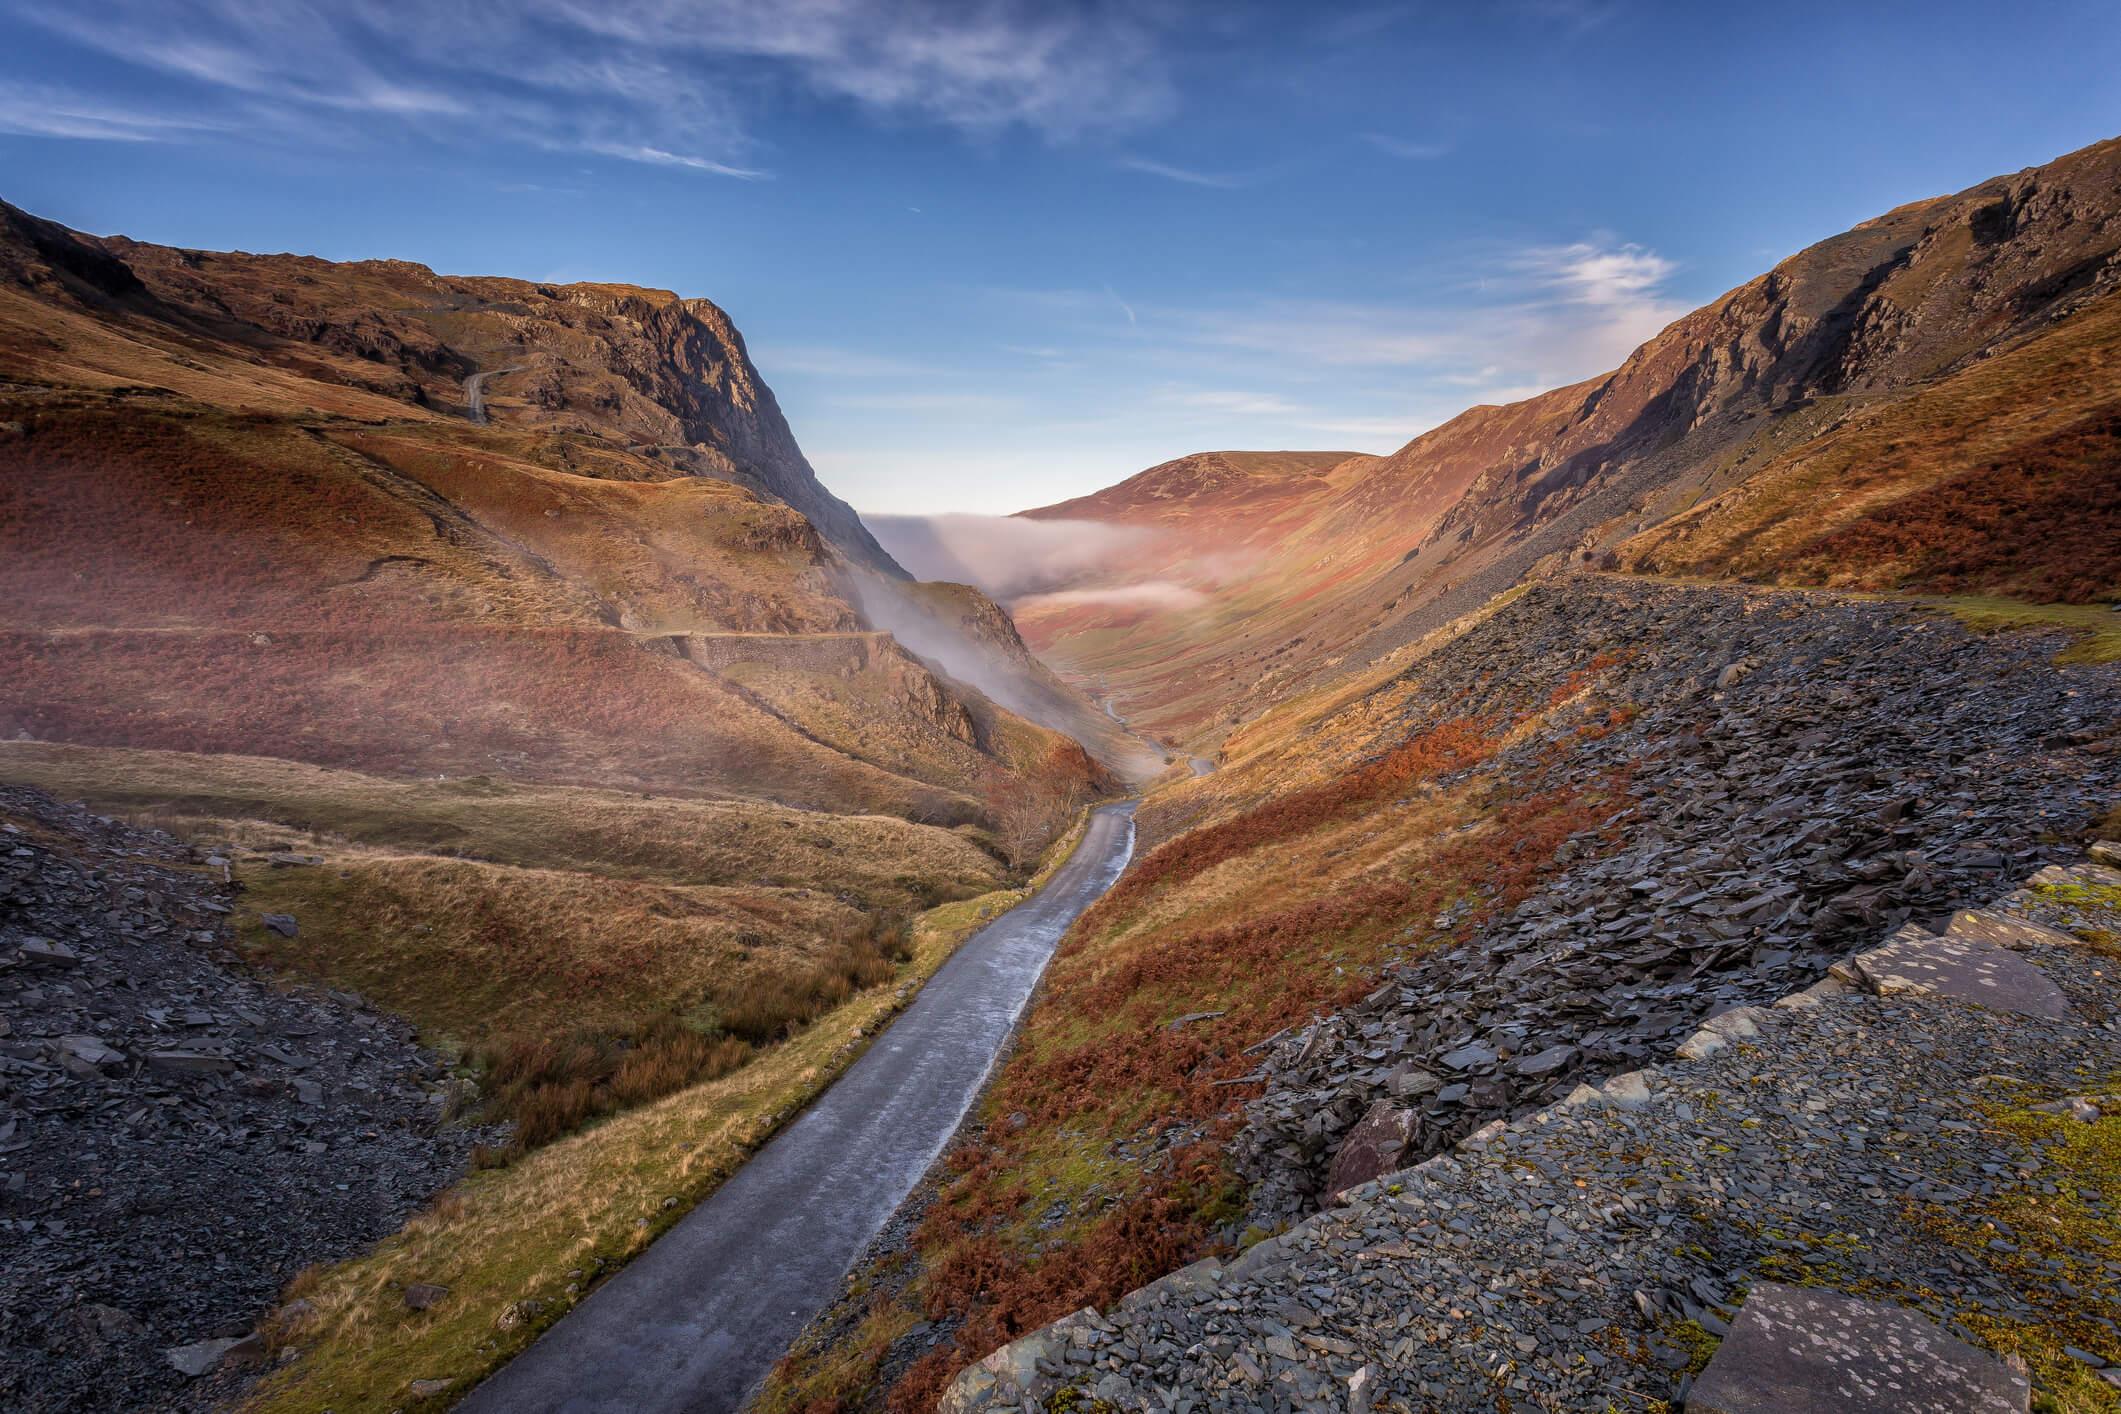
(1536, 851)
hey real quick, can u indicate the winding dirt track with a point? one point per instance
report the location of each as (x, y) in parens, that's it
(697, 1321)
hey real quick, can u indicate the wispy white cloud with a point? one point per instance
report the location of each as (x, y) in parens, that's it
(676, 83)
(1222, 400)
(1593, 274)
(41, 110)
(1372, 433)
(1537, 318)
(1187, 175)
(657, 157)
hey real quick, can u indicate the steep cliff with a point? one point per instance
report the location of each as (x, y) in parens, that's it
(632, 369)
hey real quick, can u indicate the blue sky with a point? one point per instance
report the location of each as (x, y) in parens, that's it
(994, 254)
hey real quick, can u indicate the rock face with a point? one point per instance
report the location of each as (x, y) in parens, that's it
(177, 1137)
(653, 368)
(1777, 823)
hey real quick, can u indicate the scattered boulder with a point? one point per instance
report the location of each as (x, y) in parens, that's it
(423, 1294)
(1797, 1350)
(1375, 1146)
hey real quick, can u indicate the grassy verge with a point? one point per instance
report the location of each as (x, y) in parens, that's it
(2094, 629)
(517, 1247)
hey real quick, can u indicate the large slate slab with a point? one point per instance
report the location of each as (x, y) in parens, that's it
(1795, 1350)
(2005, 930)
(1966, 968)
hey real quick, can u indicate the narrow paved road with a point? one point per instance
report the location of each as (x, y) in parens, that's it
(475, 391)
(697, 1320)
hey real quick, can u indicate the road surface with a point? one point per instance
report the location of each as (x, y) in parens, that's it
(696, 1321)
(475, 392)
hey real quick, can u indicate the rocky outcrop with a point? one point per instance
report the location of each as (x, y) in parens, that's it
(1785, 805)
(178, 1137)
(658, 374)
(1600, 1248)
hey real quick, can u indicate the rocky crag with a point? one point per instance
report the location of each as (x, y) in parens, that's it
(667, 377)
(1803, 770)
(178, 1137)
(1927, 1129)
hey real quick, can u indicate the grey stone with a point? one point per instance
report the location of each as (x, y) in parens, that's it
(1378, 1144)
(2005, 930)
(189, 1062)
(45, 953)
(1961, 968)
(90, 1051)
(1551, 1059)
(424, 1294)
(281, 923)
(1630, 1091)
(1800, 1350)
(198, 1358)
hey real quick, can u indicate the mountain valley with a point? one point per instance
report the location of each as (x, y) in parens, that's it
(473, 787)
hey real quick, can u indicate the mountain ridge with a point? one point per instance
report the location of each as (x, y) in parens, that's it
(1838, 333)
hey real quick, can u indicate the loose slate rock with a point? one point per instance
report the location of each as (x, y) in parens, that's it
(1795, 1350)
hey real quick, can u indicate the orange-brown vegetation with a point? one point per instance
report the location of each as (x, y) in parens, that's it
(1282, 903)
(2042, 524)
(2001, 479)
(1961, 349)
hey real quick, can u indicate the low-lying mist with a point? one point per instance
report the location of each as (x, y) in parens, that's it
(983, 651)
(1009, 556)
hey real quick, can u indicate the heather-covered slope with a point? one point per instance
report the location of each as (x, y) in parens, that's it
(1533, 850)
(1876, 398)
(501, 649)
(267, 579)
(245, 512)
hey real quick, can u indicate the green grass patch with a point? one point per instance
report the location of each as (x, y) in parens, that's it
(2094, 629)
